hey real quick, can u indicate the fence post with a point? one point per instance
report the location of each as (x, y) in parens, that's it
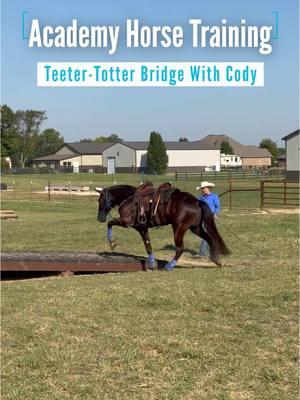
(176, 178)
(201, 175)
(215, 175)
(186, 176)
(284, 193)
(49, 189)
(14, 183)
(69, 189)
(262, 186)
(230, 195)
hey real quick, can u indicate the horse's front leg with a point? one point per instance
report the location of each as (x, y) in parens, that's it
(146, 239)
(179, 232)
(110, 224)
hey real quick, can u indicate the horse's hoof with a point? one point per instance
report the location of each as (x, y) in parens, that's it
(113, 245)
(169, 268)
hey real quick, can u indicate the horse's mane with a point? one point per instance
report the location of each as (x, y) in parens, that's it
(122, 187)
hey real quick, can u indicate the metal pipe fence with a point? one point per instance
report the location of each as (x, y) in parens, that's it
(231, 175)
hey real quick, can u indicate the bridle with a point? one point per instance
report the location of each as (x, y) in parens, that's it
(107, 201)
(107, 205)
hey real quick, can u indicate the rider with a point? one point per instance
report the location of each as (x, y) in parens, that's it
(213, 202)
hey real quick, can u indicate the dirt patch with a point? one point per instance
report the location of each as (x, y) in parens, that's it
(265, 211)
(197, 262)
(283, 210)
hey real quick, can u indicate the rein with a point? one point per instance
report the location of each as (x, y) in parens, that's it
(108, 205)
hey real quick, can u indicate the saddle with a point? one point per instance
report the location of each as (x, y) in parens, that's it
(146, 200)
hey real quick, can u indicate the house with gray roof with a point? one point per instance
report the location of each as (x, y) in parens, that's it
(251, 156)
(129, 156)
(77, 156)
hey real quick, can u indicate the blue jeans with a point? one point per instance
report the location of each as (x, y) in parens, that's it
(204, 247)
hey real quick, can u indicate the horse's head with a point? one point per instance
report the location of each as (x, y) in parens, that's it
(105, 204)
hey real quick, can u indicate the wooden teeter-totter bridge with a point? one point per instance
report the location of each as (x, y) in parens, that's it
(70, 262)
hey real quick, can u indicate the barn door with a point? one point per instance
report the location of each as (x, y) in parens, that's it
(111, 165)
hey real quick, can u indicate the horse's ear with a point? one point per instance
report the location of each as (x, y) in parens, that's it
(99, 189)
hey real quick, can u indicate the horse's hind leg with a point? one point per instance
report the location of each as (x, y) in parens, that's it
(199, 231)
(179, 232)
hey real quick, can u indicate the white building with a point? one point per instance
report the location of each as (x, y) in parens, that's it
(292, 156)
(182, 156)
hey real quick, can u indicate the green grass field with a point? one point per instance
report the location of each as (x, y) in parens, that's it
(200, 332)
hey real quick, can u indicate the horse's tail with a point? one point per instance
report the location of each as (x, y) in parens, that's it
(211, 229)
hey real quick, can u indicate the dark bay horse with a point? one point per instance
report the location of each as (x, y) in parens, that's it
(183, 211)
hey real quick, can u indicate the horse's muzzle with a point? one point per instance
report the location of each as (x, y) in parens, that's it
(101, 217)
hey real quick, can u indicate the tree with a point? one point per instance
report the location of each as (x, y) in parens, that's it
(269, 145)
(48, 142)
(111, 138)
(226, 148)
(87, 140)
(183, 139)
(25, 135)
(103, 139)
(7, 131)
(280, 152)
(157, 158)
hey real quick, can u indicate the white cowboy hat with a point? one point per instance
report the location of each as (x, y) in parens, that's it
(205, 184)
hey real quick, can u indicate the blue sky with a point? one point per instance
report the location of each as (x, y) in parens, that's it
(246, 114)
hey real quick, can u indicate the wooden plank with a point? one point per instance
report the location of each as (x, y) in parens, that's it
(8, 216)
(74, 267)
(75, 262)
(69, 188)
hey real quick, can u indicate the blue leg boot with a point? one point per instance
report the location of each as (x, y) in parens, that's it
(151, 261)
(170, 266)
(109, 234)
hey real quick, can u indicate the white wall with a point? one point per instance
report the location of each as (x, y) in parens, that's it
(71, 160)
(185, 158)
(292, 154)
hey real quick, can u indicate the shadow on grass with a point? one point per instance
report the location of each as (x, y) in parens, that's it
(143, 260)
(172, 247)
